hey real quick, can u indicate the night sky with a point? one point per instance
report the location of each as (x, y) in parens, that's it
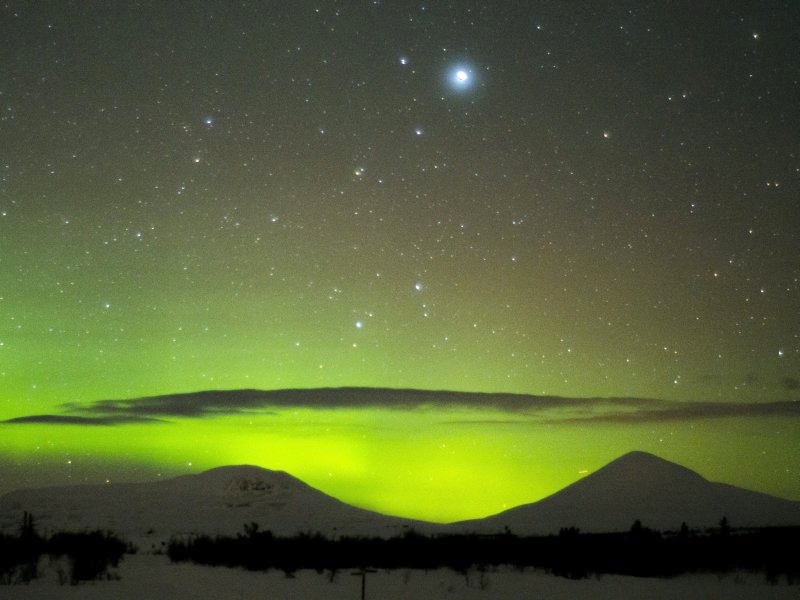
(574, 200)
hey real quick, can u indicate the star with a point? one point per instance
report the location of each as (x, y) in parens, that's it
(461, 77)
(227, 215)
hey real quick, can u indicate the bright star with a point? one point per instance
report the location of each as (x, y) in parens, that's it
(461, 77)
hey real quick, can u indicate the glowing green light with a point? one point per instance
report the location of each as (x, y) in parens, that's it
(434, 463)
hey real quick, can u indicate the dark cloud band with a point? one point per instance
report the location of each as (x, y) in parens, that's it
(78, 420)
(519, 408)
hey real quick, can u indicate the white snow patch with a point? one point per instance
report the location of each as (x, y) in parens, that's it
(150, 577)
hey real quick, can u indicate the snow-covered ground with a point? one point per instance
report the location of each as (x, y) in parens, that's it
(153, 577)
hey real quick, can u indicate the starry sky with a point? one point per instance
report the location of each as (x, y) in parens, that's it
(575, 200)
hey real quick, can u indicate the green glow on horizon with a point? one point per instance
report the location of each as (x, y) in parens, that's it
(433, 464)
(277, 207)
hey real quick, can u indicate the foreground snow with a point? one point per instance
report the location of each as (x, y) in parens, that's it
(149, 577)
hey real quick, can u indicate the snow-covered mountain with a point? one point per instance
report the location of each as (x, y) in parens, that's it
(638, 485)
(218, 501)
(661, 494)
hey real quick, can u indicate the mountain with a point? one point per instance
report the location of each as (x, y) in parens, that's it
(661, 494)
(218, 501)
(638, 485)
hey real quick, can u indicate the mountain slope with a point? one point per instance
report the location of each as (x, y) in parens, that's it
(218, 501)
(221, 501)
(641, 486)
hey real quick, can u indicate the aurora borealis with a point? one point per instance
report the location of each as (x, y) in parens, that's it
(560, 200)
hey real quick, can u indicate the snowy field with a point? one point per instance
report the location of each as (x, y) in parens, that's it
(149, 577)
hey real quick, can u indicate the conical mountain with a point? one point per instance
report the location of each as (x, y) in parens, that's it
(641, 486)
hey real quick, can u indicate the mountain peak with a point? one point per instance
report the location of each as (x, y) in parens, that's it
(645, 487)
(645, 469)
(217, 501)
(638, 456)
(639, 459)
(243, 472)
(239, 479)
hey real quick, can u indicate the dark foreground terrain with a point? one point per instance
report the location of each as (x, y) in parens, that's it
(85, 556)
(639, 552)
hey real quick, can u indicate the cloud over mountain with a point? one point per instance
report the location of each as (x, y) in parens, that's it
(514, 408)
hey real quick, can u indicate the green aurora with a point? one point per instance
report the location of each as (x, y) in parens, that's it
(253, 196)
(440, 457)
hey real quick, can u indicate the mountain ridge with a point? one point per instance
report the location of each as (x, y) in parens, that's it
(219, 501)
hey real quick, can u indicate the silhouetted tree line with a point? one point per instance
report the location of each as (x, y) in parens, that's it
(638, 552)
(88, 554)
